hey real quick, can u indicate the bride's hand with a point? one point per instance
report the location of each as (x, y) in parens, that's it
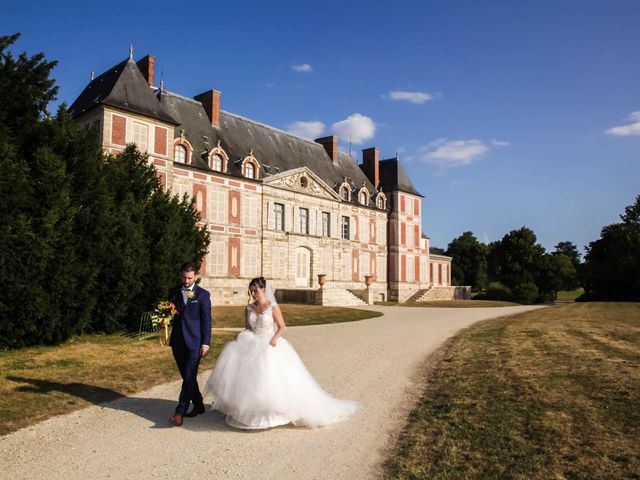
(273, 342)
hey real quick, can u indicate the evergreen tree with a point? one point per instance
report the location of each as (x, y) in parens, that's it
(88, 241)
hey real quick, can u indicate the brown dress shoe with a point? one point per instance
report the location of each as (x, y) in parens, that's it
(176, 419)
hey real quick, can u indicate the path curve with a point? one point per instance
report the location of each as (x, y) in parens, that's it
(375, 362)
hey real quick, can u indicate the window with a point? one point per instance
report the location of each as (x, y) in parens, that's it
(140, 136)
(217, 259)
(278, 215)
(280, 262)
(381, 234)
(409, 236)
(381, 268)
(410, 268)
(217, 206)
(250, 205)
(344, 193)
(363, 225)
(327, 263)
(250, 260)
(216, 163)
(326, 224)
(345, 227)
(303, 218)
(180, 154)
(365, 265)
(249, 170)
(363, 196)
(180, 190)
(345, 265)
(380, 203)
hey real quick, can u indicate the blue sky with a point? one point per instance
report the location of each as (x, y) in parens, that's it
(504, 114)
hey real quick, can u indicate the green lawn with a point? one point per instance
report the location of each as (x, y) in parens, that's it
(552, 393)
(294, 315)
(569, 295)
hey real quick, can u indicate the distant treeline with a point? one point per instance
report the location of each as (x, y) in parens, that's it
(519, 269)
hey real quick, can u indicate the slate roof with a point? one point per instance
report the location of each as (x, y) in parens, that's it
(239, 136)
(393, 177)
(123, 87)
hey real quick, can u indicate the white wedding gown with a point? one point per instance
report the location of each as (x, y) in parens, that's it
(259, 386)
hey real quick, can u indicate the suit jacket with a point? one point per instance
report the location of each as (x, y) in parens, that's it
(192, 319)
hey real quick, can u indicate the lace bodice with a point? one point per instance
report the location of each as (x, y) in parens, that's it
(261, 323)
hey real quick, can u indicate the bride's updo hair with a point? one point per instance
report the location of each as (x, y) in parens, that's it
(259, 282)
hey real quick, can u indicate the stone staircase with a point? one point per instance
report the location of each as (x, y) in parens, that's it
(338, 297)
(421, 295)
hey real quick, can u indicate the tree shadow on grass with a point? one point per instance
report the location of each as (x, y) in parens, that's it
(156, 410)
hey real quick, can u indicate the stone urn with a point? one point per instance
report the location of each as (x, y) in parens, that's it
(322, 279)
(368, 280)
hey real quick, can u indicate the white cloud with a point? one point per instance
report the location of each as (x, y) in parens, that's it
(500, 143)
(412, 97)
(630, 129)
(360, 127)
(302, 68)
(308, 130)
(445, 153)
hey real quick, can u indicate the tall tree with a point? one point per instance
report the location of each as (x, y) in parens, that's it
(612, 262)
(570, 250)
(469, 261)
(87, 241)
(515, 261)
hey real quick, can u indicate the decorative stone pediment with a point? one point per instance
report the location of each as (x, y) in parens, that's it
(302, 180)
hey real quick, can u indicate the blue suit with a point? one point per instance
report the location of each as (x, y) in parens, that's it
(191, 328)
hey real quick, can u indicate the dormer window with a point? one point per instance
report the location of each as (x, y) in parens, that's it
(381, 201)
(180, 154)
(218, 159)
(345, 192)
(216, 163)
(250, 167)
(363, 196)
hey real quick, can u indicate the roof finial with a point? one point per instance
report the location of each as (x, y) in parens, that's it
(131, 51)
(350, 145)
(93, 75)
(162, 81)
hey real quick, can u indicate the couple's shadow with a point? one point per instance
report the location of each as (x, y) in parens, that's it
(156, 410)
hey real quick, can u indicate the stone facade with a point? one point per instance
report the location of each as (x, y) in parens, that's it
(276, 205)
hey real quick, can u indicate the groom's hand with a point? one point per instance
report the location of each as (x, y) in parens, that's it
(204, 351)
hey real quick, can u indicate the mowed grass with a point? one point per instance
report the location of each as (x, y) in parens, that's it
(452, 304)
(549, 394)
(37, 383)
(294, 315)
(569, 295)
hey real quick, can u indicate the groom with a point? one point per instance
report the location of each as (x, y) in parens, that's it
(190, 339)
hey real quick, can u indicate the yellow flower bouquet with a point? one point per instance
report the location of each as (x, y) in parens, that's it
(161, 319)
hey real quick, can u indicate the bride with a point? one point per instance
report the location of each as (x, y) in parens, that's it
(259, 380)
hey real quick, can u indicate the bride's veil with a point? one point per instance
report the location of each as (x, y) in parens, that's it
(268, 293)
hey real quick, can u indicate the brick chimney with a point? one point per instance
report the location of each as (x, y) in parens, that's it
(371, 165)
(211, 102)
(330, 144)
(147, 67)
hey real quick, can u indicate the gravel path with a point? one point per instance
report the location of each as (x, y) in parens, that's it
(375, 362)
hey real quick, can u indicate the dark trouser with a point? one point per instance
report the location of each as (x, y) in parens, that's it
(188, 362)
